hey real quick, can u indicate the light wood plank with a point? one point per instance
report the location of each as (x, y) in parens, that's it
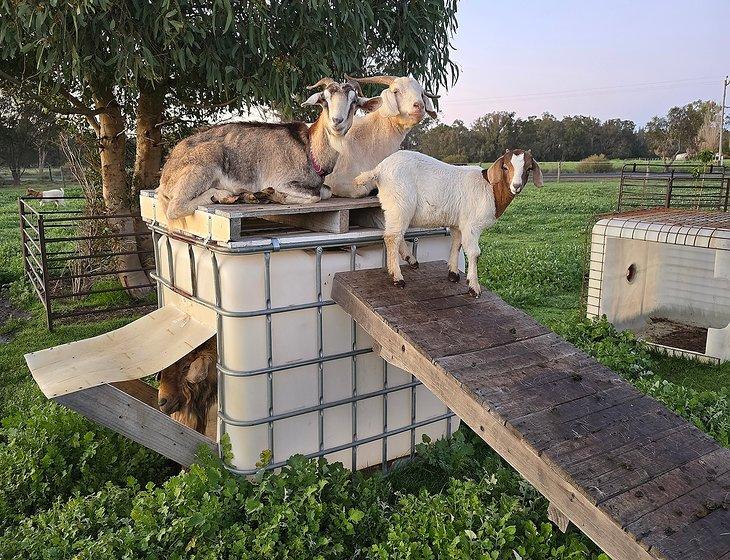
(136, 350)
(261, 210)
(336, 221)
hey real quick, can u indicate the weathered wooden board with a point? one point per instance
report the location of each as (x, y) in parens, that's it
(263, 210)
(141, 348)
(129, 409)
(335, 221)
(614, 462)
(224, 222)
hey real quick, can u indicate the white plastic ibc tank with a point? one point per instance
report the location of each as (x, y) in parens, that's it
(291, 345)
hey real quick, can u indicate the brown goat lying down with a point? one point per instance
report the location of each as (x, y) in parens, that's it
(188, 389)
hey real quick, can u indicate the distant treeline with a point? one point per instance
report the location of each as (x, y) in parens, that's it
(688, 128)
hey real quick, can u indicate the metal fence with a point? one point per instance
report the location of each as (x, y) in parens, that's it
(70, 258)
(653, 185)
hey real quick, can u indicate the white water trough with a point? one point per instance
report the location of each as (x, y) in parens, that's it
(665, 274)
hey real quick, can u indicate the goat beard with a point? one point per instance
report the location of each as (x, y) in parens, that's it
(197, 399)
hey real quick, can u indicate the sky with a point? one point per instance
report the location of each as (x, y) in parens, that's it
(608, 59)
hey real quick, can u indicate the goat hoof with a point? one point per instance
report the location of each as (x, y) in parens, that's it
(399, 284)
(231, 199)
(413, 263)
(454, 276)
(474, 293)
(373, 192)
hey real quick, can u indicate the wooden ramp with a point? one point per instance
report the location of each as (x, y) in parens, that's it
(636, 478)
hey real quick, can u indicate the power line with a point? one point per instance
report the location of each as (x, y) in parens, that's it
(625, 88)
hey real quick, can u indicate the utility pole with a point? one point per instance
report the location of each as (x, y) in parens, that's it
(725, 83)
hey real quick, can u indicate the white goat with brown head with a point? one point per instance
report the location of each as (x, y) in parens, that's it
(417, 190)
(376, 135)
(188, 388)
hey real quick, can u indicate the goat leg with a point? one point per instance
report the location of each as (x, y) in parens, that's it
(454, 255)
(406, 255)
(392, 242)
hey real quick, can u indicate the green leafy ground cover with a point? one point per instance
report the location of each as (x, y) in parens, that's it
(71, 489)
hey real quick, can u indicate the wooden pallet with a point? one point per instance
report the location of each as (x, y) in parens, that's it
(636, 478)
(223, 222)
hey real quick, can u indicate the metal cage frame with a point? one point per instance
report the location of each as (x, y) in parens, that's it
(694, 186)
(349, 242)
(41, 233)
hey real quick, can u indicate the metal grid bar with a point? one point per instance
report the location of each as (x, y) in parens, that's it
(47, 269)
(321, 358)
(321, 407)
(320, 345)
(660, 185)
(269, 349)
(414, 251)
(353, 367)
(345, 446)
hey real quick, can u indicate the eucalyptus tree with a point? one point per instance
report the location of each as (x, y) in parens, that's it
(118, 62)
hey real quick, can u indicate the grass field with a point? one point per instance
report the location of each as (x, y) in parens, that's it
(533, 257)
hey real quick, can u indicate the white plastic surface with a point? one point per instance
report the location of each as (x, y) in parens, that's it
(673, 279)
(294, 338)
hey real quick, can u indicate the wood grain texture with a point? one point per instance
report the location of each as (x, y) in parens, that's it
(336, 221)
(119, 408)
(261, 210)
(616, 463)
(141, 348)
(223, 222)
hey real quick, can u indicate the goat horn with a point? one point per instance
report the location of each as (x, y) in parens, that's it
(354, 83)
(323, 82)
(384, 80)
(431, 95)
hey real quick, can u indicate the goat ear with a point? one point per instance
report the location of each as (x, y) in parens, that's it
(390, 105)
(198, 370)
(369, 104)
(536, 173)
(494, 173)
(314, 99)
(429, 106)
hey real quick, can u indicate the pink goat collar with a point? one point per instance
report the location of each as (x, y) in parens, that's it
(315, 165)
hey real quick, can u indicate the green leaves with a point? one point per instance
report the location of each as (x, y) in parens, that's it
(49, 452)
(257, 53)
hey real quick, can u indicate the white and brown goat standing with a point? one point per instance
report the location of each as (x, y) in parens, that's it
(419, 191)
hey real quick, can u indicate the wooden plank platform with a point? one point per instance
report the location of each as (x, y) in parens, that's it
(636, 478)
(222, 222)
(130, 408)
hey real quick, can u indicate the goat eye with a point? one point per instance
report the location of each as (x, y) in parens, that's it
(395, 90)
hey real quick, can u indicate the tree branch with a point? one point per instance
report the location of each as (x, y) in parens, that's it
(77, 108)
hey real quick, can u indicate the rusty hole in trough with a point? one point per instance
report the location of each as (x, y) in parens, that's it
(631, 273)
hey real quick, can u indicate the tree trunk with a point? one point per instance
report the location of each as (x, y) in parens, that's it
(148, 157)
(41, 160)
(116, 193)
